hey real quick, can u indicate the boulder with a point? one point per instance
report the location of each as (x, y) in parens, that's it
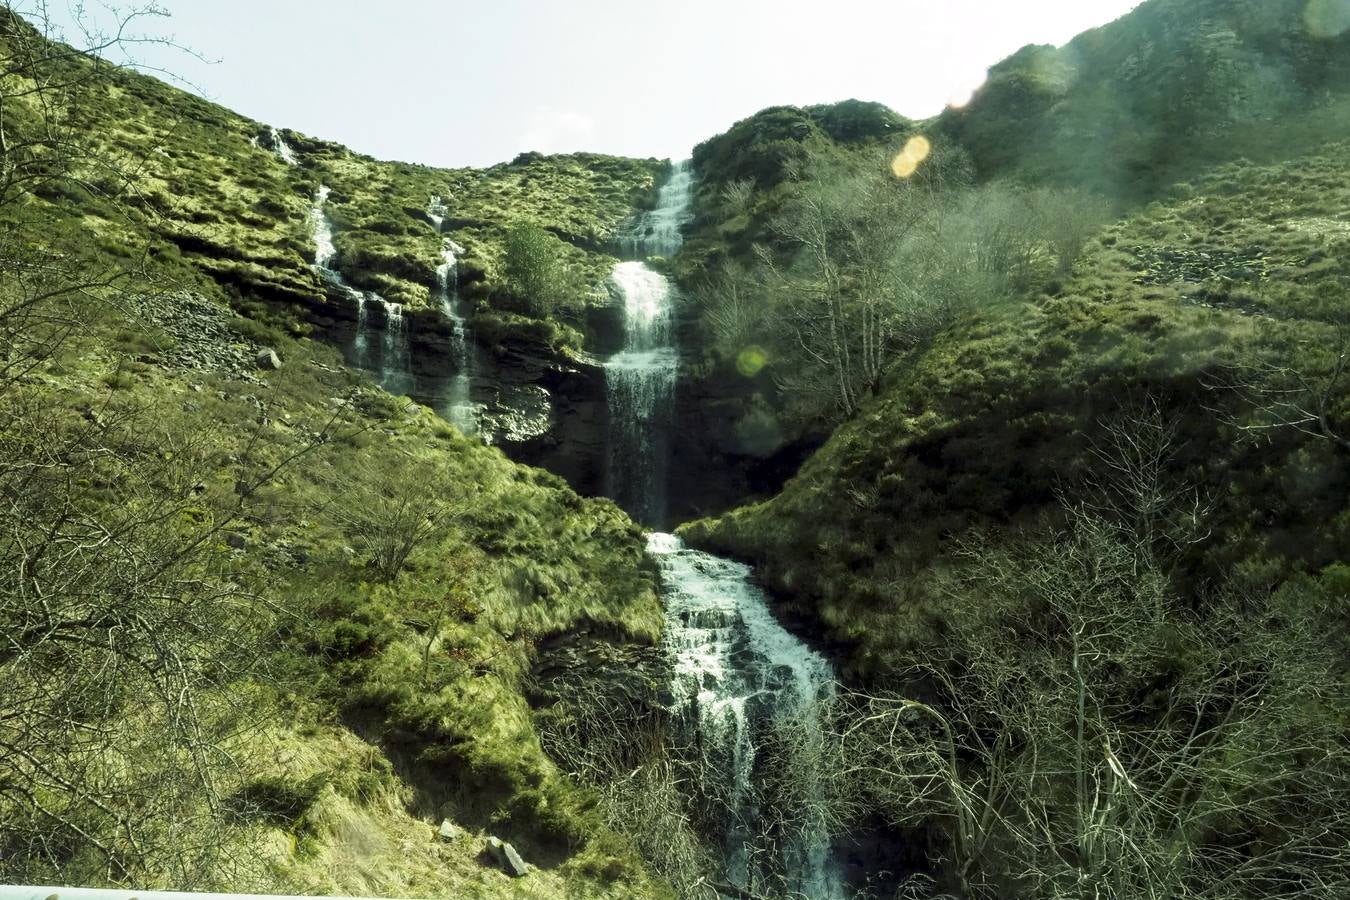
(268, 359)
(448, 830)
(506, 858)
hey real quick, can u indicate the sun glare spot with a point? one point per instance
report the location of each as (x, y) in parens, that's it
(751, 360)
(909, 159)
(1327, 18)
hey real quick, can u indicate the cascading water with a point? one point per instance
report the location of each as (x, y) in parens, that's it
(640, 379)
(396, 356)
(640, 382)
(739, 677)
(282, 149)
(395, 365)
(457, 405)
(657, 232)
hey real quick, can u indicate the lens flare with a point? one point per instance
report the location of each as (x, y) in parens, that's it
(909, 159)
(1327, 18)
(751, 360)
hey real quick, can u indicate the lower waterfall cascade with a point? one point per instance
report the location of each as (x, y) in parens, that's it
(739, 676)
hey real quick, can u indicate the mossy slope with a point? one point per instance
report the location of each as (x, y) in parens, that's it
(995, 423)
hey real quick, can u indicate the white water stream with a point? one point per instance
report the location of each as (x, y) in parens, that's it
(640, 382)
(739, 676)
(394, 368)
(457, 405)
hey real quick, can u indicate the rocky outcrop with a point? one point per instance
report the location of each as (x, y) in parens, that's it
(547, 411)
(189, 331)
(730, 444)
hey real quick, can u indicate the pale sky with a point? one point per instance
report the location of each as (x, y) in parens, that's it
(474, 82)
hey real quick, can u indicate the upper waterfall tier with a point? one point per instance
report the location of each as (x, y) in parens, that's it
(657, 232)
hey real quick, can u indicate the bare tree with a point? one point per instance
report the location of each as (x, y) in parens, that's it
(393, 510)
(843, 297)
(123, 613)
(1072, 745)
(1133, 482)
(1306, 395)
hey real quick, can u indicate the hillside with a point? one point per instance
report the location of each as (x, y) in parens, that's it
(284, 626)
(1071, 135)
(1198, 303)
(1075, 365)
(325, 480)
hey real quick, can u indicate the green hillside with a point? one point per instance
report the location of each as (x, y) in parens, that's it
(270, 627)
(1033, 417)
(1086, 362)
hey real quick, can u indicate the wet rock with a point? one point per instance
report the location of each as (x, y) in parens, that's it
(506, 858)
(268, 360)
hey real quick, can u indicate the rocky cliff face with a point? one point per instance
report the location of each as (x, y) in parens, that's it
(730, 445)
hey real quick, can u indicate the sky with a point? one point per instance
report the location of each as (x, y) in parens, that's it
(475, 82)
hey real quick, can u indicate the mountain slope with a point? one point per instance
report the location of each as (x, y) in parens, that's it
(271, 626)
(1085, 540)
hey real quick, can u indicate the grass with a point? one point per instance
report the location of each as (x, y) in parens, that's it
(992, 425)
(213, 207)
(388, 705)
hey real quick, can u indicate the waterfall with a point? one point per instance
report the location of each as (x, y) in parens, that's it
(657, 232)
(360, 349)
(396, 359)
(281, 148)
(640, 378)
(395, 368)
(640, 382)
(322, 229)
(458, 405)
(437, 212)
(741, 677)
(742, 684)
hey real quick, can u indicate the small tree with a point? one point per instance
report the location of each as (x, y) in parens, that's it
(534, 269)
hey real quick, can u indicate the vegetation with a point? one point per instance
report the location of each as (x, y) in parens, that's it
(1038, 543)
(1160, 95)
(1077, 525)
(266, 629)
(533, 269)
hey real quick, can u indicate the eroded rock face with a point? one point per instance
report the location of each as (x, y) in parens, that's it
(548, 412)
(540, 408)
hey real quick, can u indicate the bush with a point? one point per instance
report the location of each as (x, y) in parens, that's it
(534, 269)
